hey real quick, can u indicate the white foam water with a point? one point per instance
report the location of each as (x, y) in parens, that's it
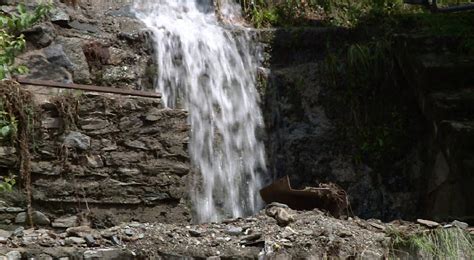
(212, 72)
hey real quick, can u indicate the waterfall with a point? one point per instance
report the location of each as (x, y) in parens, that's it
(211, 72)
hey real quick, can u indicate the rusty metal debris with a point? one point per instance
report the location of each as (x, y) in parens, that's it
(92, 88)
(325, 197)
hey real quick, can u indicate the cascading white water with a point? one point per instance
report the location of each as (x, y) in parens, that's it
(213, 72)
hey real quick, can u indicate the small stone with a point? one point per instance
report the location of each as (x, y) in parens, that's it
(90, 241)
(77, 140)
(428, 223)
(4, 233)
(59, 16)
(280, 214)
(195, 233)
(234, 231)
(65, 222)
(18, 232)
(3, 240)
(345, 233)
(14, 210)
(459, 224)
(74, 241)
(129, 232)
(115, 240)
(13, 255)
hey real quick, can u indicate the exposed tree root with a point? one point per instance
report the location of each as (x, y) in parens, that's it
(19, 104)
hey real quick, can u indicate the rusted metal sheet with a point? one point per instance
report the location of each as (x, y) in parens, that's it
(326, 197)
(92, 88)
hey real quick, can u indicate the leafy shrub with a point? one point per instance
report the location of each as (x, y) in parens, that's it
(12, 41)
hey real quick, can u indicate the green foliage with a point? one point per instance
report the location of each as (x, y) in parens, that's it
(12, 41)
(8, 126)
(7, 183)
(279, 13)
(442, 243)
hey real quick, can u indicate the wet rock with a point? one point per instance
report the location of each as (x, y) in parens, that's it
(38, 218)
(65, 222)
(41, 68)
(428, 223)
(77, 140)
(280, 212)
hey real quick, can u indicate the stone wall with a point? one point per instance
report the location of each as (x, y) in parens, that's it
(113, 159)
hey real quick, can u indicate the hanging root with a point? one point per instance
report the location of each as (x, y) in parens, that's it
(18, 104)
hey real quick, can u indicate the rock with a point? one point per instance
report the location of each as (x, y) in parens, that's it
(80, 72)
(120, 74)
(94, 161)
(59, 16)
(4, 233)
(428, 223)
(135, 144)
(195, 233)
(7, 155)
(129, 232)
(41, 35)
(13, 210)
(3, 240)
(51, 123)
(13, 255)
(234, 231)
(18, 232)
(115, 240)
(87, 27)
(80, 231)
(459, 224)
(77, 140)
(45, 168)
(41, 68)
(65, 222)
(280, 213)
(55, 55)
(38, 218)
(92, 124)
(90, 241)
(74, 241)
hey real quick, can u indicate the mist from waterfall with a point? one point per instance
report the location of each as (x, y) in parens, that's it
(211, 72)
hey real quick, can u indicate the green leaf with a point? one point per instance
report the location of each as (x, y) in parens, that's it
(5, 131)
(21, 8)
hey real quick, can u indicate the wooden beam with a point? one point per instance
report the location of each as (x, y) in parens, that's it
(90, 88)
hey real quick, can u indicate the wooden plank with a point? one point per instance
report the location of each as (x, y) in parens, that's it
(91, 88)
